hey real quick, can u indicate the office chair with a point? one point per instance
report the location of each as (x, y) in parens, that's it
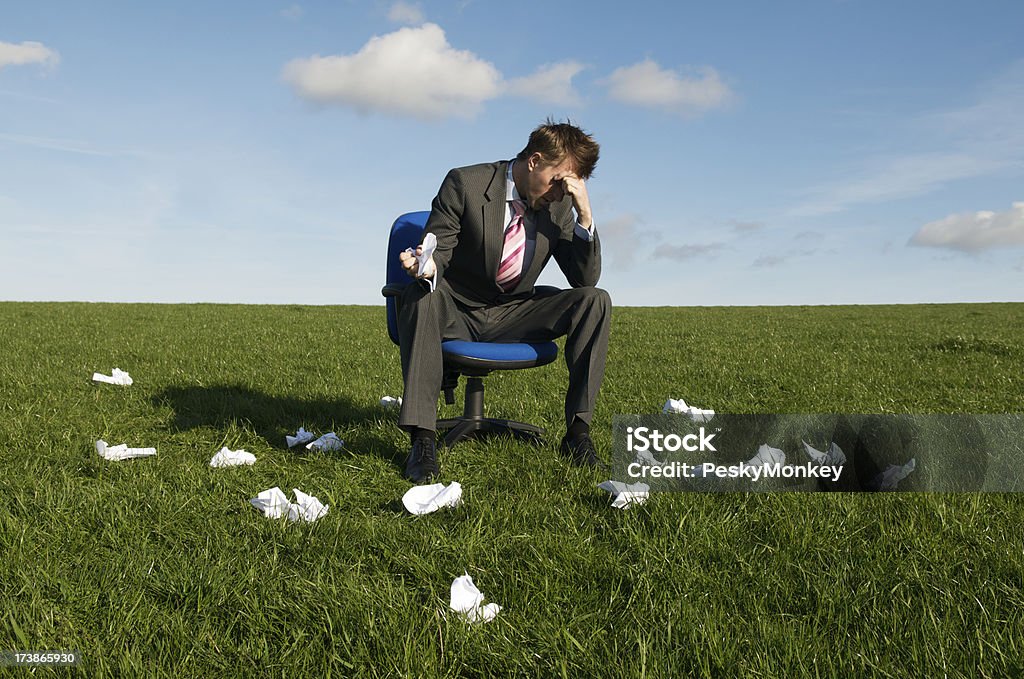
(474, 360)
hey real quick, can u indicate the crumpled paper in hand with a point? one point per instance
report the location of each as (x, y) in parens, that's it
(117, 376)
(430, 498)
(893, 474)
(274, 504)
(467, 600)
(624, 495)
(326, 443)
(429, 245)
(391, 402)
(679, 406)
(301, 436)
(121, 452)
(232, 458)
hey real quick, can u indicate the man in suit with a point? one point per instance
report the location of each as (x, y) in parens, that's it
(497, 225)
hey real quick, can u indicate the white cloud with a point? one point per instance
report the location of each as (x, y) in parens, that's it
(407, 13)
(979, 140)
(550, 84)
(55, 144)
(413, 71)
(648, 84)
(994, 121)
(27, 53)
(28, 97)
(686, 251)
(84, 148)
(624, 237)
(294, 12)
(894, 178)
(745, 227)
(769, 261)
(973, 232)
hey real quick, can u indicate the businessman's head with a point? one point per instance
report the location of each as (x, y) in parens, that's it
(554, 151)
(558, 142)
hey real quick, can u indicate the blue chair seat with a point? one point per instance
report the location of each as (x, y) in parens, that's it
(487, 356)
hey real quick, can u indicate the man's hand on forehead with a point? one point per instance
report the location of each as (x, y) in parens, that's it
(577, 188)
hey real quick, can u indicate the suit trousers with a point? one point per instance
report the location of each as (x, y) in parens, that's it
(426, 319)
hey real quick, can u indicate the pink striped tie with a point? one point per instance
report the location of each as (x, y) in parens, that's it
(511, 267)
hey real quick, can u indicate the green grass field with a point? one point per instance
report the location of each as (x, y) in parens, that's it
(160, 566)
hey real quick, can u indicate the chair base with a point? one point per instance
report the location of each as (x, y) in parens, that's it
(473, 424)
(462, 428)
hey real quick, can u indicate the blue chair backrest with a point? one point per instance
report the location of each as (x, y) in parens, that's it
(406, 232)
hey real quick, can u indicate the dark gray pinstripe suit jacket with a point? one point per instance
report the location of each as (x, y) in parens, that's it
(468, 216)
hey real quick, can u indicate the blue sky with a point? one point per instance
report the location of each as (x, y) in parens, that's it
(752, 153)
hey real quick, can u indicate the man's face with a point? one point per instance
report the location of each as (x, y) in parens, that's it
(544, 180)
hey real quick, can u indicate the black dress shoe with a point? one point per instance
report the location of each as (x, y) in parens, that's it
(582, 452)
(421, 465)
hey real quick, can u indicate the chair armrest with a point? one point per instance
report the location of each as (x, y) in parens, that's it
(392, 290)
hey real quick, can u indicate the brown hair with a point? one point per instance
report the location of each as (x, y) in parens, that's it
(557, 141)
